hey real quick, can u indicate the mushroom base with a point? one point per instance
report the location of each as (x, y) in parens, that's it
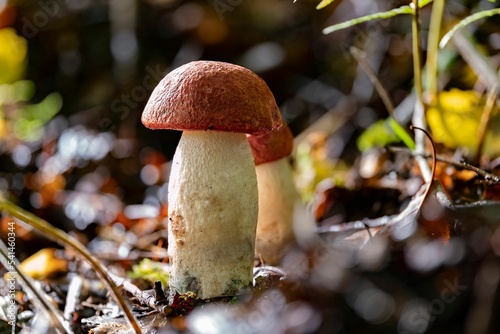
(277, 197)
(213, 205)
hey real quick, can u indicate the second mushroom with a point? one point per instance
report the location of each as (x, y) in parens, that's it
(277, 193)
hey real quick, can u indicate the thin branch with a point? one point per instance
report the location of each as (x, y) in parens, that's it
(462, 165)
(382, 92)
(433, 172)
(158, 302)
(489, 177)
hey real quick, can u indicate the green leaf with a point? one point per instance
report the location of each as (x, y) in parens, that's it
(378, 134)
(23, 90)
(45, 110)
(19, 91)
(469, 19)
(407, 9)
(324, 3)
(401, 133)
(150, 271)
(28, 129)
(367, 18)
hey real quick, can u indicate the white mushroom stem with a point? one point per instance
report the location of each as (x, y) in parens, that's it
(213, 204)
(277, 196)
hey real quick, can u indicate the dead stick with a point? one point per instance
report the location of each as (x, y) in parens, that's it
(490, 177)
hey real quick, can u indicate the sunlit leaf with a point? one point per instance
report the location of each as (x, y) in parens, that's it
(28, 129)
(454, 121)
(43, 264)
(23, 90)
(324, 3)
(401, 133)
(150, 271)
(13, 52)
(378, 134)
(407, 9)
(45, 110)
(19, 91)
(468, 20)
(313, 165)
(30, 120)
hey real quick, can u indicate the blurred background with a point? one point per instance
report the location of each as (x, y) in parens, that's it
(75, 76)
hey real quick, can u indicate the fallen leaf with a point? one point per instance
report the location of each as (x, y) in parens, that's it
(44, 264)
(454, 121)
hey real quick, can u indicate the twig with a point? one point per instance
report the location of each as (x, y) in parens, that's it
(462, 165)
(491, 178)
(433, 172)
(382, 91)
(158, 302)
(367, 227)
(63, 239)
(483, 123)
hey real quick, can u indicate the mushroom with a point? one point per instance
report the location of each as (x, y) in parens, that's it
(212, 191)
(277, 193)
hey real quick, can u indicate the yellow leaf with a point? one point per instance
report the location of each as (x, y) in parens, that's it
(44, 264)
(454, 122)
(13, 52)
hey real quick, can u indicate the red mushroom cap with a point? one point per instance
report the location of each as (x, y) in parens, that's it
(272, 146)
(210, 95)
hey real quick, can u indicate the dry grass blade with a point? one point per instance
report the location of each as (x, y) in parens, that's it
(382, 91)
(63, 239)
(468, 20)
(35, 294)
